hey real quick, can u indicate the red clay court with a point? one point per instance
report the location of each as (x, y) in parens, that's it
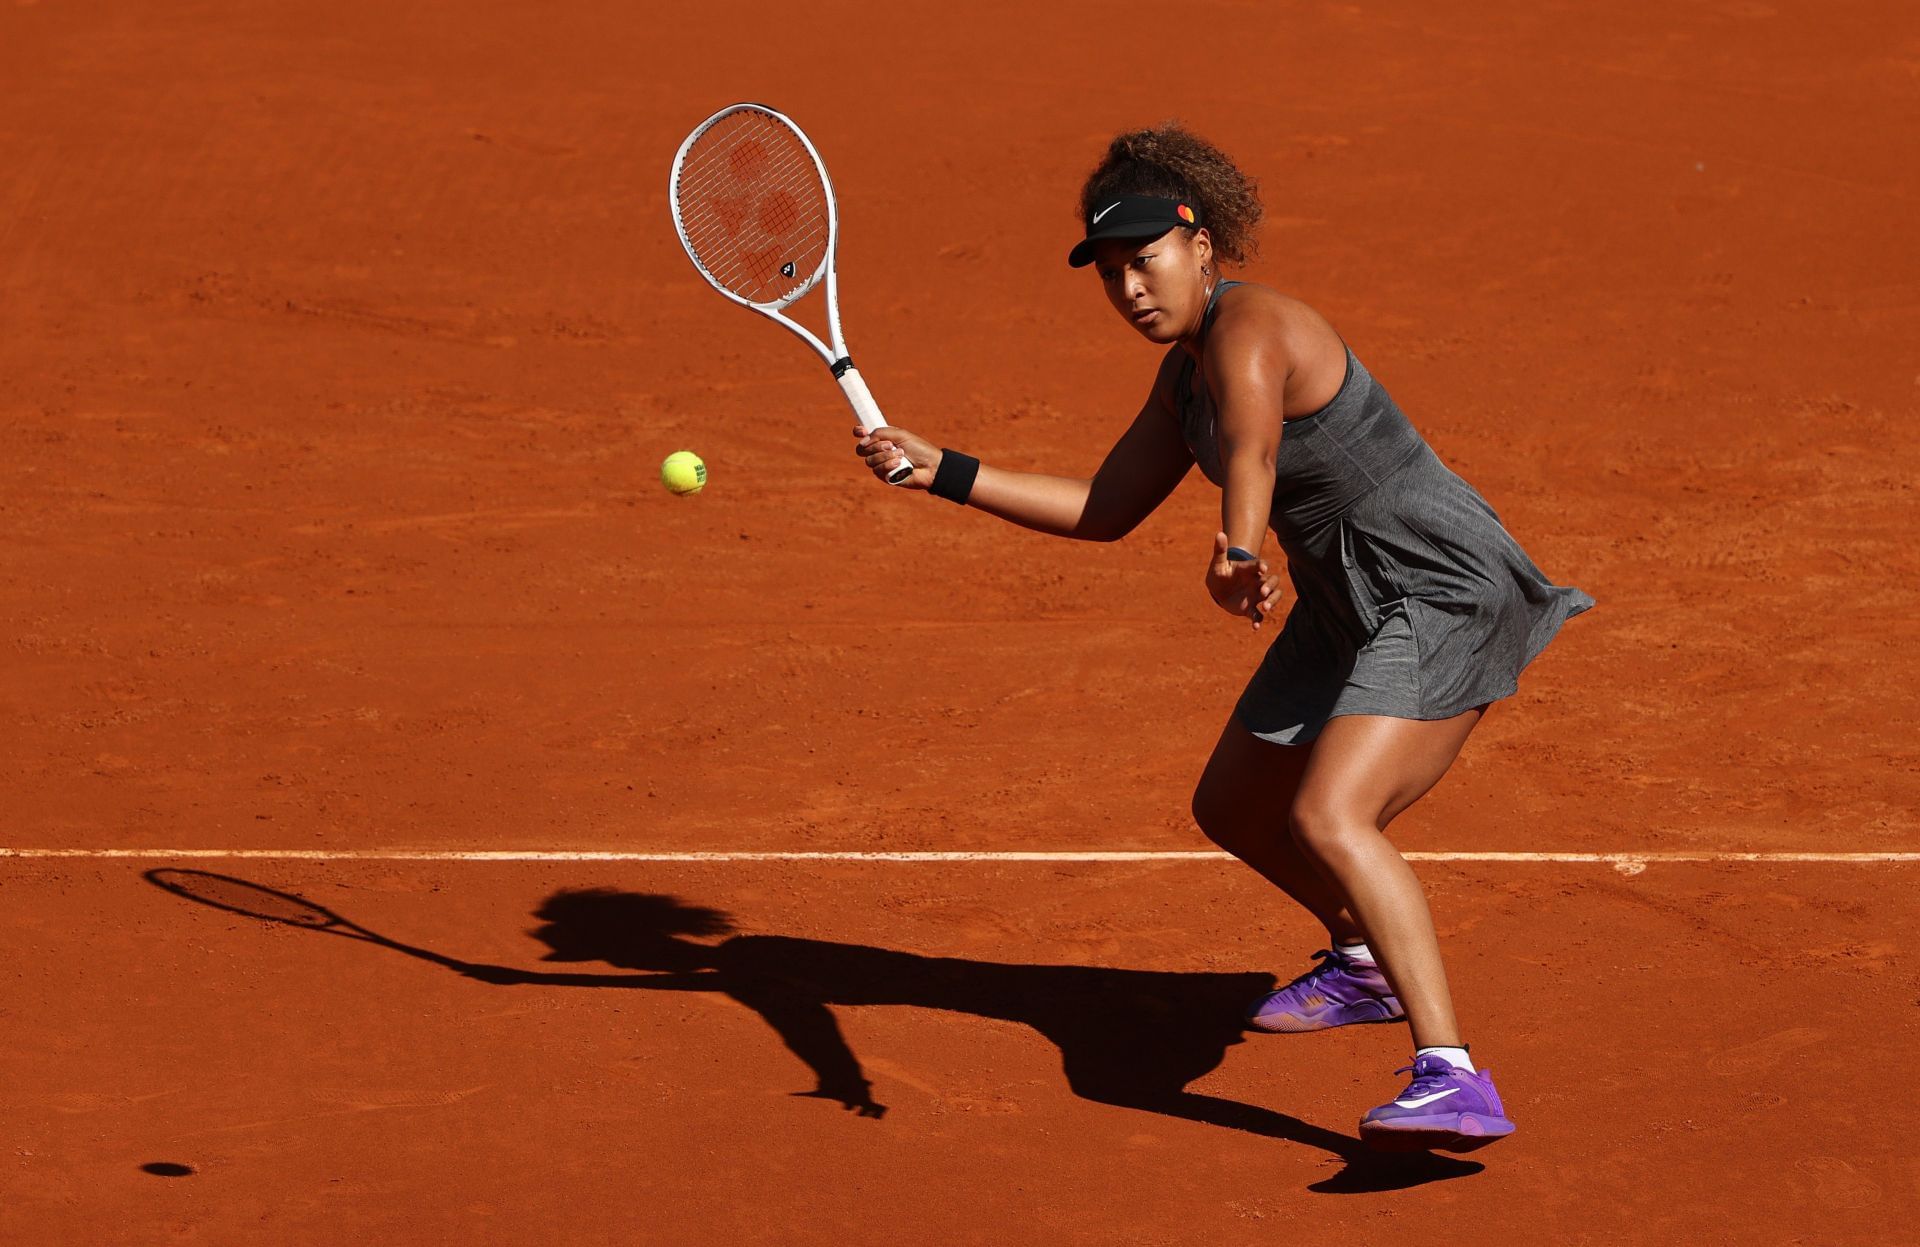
(339, 344)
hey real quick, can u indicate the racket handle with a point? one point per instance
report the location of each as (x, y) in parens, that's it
(868, 411)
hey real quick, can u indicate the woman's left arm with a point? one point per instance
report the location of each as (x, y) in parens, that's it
(1246, 371)
(1246, 368)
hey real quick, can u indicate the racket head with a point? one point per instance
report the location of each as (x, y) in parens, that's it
(753, 206)
(251, 900)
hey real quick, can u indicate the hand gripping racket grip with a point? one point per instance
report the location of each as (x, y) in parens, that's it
(868, 411)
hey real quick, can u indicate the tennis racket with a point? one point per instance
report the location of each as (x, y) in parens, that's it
(253, 900)
(754, 208)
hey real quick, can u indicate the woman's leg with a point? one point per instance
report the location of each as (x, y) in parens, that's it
(1362, 772)
(1241, 804)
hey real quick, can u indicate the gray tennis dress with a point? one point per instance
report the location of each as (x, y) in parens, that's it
(1411, 600)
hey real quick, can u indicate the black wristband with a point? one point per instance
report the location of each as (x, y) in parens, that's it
(1236, 555)
(954, 479)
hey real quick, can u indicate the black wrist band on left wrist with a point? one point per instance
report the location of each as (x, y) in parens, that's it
(953, 479)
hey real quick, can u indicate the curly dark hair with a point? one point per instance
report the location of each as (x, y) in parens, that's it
(1172, 161)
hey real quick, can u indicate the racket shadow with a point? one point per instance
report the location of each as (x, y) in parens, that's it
(264, 904)
(1130, 1038)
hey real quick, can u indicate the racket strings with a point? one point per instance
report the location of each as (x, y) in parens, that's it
(762, 240)
(725, 200)
(753, 207)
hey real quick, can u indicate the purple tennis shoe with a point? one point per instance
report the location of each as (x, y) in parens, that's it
(1337, 992)
(1443, 1108)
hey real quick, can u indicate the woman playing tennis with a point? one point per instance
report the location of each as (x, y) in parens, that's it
(1413, 608)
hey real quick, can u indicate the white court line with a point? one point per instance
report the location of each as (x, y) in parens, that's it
(1620, 860)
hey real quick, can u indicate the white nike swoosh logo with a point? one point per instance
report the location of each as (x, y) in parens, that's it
(1109, 208)
(1427, 1099)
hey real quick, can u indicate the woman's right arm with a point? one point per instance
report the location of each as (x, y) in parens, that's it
(1139, 472)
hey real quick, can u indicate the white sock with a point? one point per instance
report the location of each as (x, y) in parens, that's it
(1456, 1057)
(1356, 952)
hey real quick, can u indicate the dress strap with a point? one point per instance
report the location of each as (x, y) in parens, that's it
(1213, 305)
(1183, 387)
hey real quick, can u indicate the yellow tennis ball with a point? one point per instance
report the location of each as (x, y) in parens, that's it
(683, 473)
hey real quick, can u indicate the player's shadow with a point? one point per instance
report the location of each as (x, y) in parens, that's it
(1132, 1038)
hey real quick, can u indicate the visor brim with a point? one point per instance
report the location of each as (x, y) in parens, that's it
(1082, 253)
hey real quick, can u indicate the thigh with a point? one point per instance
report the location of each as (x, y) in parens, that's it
(1247, 780)
(1374, 767)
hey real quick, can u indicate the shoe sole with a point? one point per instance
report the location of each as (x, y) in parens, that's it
(1462, 1133)
(1294, 1024)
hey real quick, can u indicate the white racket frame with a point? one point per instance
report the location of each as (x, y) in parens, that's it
(834, 356)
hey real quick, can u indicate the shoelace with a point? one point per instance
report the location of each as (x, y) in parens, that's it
(1424, 1083)
(1329, 962)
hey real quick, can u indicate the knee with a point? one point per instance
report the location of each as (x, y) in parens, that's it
(1323, 829)
(1222, 820)
(1212, 815)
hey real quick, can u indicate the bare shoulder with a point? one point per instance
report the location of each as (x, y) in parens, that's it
(1254, 309)
(1255, 320)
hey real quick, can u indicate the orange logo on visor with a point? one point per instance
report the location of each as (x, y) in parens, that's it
(1186, 213)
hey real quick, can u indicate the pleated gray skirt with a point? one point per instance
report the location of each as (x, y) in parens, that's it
(1435, 609)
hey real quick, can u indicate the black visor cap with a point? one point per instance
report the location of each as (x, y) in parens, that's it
(1131, 216)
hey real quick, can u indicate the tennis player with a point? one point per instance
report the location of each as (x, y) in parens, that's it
(1413, 607)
